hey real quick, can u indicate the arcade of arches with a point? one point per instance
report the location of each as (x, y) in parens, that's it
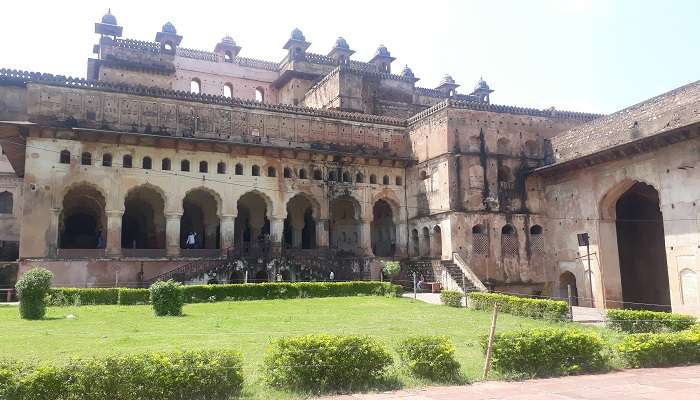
(143, 223)
(83, 220)
(200, 217)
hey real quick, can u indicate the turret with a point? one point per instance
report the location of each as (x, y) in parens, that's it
(447, 86)
(408, 73)
(168, 38)
(382, 59)
(297, 45)
(482, 91)
(227, 49)
(341, 51)
(108, 26)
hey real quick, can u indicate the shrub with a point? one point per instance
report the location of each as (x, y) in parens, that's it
(547, 352)
(166, 298)
(82, 296)
(322, 363)
(154, 376)
(642, 321)
(430, 357)
(451, 298)
(32, 288)
(130, 297)
(660, 349)
(523, 306)
(391, 268)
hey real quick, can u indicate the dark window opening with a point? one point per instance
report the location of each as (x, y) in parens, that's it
(185, 165)
(107, 160)
(165, 164)
(65, 157)
(147, 163)
(86, 159)
(126, 161)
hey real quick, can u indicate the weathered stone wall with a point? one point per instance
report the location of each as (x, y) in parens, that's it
(13, 103)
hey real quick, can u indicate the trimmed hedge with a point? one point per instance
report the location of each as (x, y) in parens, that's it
(214, 374)
(643, 321)
(323, 363)
(660, 349)
(522, 306)
(82, 296)
(32, 288)
(547, 352)
(451, 298)
(166, 298)
(130, 297)
(430, 357)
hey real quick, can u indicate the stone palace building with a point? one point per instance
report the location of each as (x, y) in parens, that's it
(323, 162)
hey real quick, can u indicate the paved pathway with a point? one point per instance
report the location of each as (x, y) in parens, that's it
(681, 383)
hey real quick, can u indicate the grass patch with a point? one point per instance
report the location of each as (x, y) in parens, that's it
(250, 327)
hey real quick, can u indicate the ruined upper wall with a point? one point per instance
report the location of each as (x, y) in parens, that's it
(674, 109)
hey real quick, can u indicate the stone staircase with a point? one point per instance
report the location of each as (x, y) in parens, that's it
(455, 272)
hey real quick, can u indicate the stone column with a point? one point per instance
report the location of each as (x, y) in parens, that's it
(276, 229)
(228, 230)
(366, 237)
(172, 234)
(402, 239)
(322, 233)
(53, 244)
(296, 235)
(113, 245)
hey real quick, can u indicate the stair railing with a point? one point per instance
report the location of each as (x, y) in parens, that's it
(468, 273)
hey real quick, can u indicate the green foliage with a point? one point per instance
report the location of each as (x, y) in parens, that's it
(430, 357)
(130, 297)
(82, 296)
(166, 298)
(522, 306)
(322, 363)
(644, 321)
(547, 352)
(451, 298)
(32, 288)
(391, 268)
(660, 349)
(215, 374)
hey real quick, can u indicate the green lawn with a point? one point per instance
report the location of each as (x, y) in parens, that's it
(248, 326)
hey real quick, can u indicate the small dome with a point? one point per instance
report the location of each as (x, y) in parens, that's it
(447, 80)
(481, 85)
(407, 72)
(169, 28)
(382, 51)
(341, 43)
(109, 18)
(228, 40)
(297, 35)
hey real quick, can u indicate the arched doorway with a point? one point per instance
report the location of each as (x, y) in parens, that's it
(143, 222)
(383, 230)
(436, 246)
(345, 224)
(200, 216)
(83, 221)
(565, 280)
(252, 223)
(642, 249)
(300, 226)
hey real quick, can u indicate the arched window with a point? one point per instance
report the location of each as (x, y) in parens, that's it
(228, 56)
(255, 170)
(86, 159)
(399, 181)
(302, 173)
(168, 46)
(64, 157)
(373, 179)
(203, 167)
(259, 94)
(165, 164)
(385, 180)
(126, 161)
(346, 177)
(238, 169)
(271, 172)
(509, 241)
(106, 160)
(480, 240)
(332, 176)
(415, 244)
(318, 175)
(5, 203)
(536, 240)
(185, 165)
(359, 178)
(287, 172)
(535, 230)
(228, 90)
(221, 168)
(196, 86)
(147, 163)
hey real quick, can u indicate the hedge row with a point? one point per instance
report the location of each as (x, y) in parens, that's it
(214, 374)
(522, 306)
(451, 298)
(643, 321)
(205, 293)
(661, 349)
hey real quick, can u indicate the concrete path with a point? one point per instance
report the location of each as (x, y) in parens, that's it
(681, 383)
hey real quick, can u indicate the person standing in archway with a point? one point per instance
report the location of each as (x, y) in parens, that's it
(190, 241)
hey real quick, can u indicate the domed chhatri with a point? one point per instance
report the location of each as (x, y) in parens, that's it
(169, 28)
(447, 80)
(228, 40)
(482, 85)
(298, 35)
(341, 43)
(382, 51)
(407, 72)
(109, 18)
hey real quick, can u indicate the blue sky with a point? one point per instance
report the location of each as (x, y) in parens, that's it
(584, 55)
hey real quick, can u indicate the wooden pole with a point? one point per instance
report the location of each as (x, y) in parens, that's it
(415, 288)
(569, 299)
(489, 347)
(246, 276)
